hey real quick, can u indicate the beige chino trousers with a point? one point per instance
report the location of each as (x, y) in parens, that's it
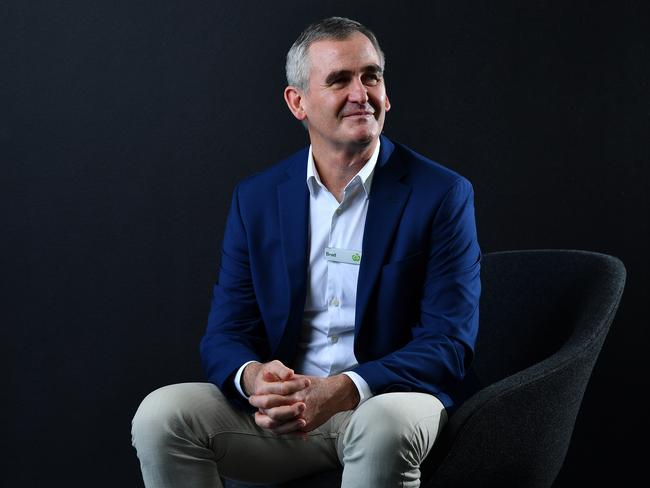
(188, 435)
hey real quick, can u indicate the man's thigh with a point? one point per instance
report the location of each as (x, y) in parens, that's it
(244, 451)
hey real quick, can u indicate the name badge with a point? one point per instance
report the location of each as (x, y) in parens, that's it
(342, 255)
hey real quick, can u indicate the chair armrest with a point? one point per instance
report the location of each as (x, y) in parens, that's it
(516, 431)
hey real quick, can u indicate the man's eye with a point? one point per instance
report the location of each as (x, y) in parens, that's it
(371, 79)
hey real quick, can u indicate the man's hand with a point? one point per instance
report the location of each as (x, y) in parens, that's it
(272, 386)
(326, 397)
(304, 408)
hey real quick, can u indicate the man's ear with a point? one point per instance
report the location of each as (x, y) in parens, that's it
(387, 103)
(293, 97)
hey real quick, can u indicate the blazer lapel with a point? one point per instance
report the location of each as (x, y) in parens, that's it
(388, 197)
(293, 207)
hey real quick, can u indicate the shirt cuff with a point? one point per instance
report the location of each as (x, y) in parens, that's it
(362, 386)
(238, 376)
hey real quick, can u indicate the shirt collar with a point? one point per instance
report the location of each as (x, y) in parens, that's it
(365, 174)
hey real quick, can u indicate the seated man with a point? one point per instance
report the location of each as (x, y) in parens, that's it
(346, 306)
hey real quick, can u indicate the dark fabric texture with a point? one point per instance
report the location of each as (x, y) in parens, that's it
(544, 316)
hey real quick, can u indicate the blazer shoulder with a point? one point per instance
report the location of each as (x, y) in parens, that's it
(424, 172)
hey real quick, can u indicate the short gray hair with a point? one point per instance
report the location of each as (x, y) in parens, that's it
(339, 28)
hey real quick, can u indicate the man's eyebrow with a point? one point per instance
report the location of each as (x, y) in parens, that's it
(371, 68)
(374, 68)
(335, 75)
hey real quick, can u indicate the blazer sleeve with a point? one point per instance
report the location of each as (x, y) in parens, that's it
(444, 335)
(234, 332)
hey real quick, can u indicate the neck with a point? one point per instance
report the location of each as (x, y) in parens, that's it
(337, 166)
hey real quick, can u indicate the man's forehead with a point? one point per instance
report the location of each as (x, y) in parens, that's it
(337, 53)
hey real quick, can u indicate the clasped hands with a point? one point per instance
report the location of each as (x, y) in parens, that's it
(289, 402)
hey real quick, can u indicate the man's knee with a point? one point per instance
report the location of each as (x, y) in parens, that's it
(396, 422)
(168, 411)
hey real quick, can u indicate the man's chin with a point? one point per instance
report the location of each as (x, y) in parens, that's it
(363, 131)
(365, 138)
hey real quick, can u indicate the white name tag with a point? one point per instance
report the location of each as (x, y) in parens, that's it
(342, 255)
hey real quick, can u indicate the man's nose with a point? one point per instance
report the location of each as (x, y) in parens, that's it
(358, 92)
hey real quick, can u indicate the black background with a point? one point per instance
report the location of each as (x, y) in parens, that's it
(125, 125)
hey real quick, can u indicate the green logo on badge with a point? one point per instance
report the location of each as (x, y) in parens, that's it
(356, 258)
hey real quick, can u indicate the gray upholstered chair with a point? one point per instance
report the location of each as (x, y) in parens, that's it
(544, 317)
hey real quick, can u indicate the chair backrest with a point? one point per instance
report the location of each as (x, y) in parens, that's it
(536, 302)
(544, 315)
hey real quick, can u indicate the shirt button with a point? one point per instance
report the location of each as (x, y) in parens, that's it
(334, 302)
(334, 339)
(338, 211)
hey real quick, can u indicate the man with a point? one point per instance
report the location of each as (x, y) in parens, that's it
(347, 302)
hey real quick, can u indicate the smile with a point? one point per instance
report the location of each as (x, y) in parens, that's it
(359, 114)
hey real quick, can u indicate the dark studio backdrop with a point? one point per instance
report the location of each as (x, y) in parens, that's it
(125, 125)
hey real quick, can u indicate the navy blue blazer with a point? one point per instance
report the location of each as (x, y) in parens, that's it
(418, 289)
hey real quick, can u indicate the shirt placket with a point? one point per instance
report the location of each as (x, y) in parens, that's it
(334, 285)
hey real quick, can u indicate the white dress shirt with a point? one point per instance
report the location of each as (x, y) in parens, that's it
(326, 345)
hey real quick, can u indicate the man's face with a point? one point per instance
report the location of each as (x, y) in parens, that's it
(346, 102)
